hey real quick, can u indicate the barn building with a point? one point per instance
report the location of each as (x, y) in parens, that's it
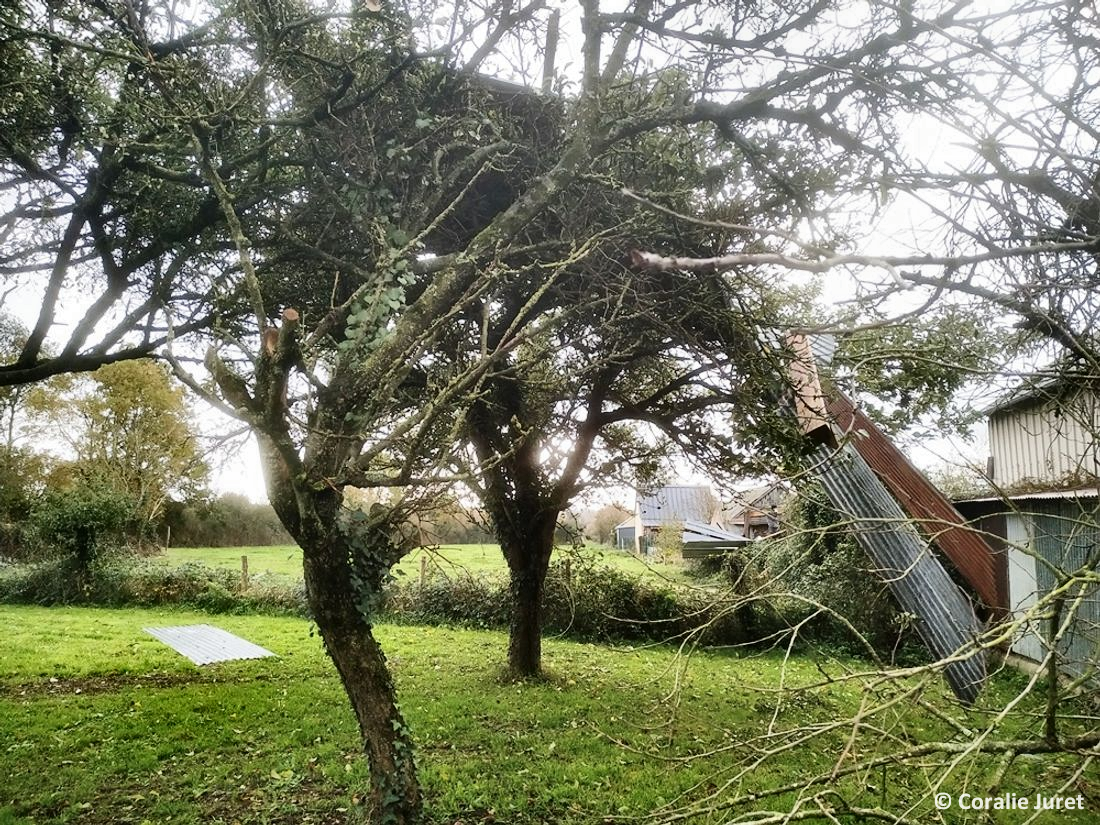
(1045, 522)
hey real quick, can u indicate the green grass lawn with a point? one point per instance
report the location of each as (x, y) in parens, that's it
(101, 723)
(453, 559)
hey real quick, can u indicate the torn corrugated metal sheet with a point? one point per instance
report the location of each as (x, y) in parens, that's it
(205, 644)
(945, 618)
(934, 514)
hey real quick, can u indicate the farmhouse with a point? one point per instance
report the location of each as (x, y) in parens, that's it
(694, 510)
(1046, 522)
(755, 512)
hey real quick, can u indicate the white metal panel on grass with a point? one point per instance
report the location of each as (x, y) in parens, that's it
(205, 644)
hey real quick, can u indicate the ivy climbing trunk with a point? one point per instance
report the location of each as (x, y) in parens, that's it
(341, 596)
(335, 604)
(528, 555)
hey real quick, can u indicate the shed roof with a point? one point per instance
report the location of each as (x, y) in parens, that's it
(1043, 386)
(1080, 492)
(696, 532)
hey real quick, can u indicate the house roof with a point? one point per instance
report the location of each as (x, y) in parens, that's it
(676, 503)
(763, 497)
(625, 523)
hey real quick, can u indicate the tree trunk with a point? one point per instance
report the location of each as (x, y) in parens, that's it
(525, 631)
(336, 605)
(346, 557)
(528, 562)
(340, 607)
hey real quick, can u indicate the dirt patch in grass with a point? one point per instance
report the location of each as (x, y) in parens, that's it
(115, 682)
(305, 801)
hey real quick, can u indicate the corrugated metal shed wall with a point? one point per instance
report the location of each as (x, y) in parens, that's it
(1045, 442)
(1066, 539)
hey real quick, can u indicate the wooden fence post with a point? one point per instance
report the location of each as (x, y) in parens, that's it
(244, 572)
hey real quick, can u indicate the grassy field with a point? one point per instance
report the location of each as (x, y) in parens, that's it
(454, 559)
(103, 724)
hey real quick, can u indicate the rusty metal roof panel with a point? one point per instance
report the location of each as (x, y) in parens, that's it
(933, 512)
(945, 618)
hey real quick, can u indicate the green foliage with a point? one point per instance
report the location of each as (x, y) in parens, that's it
(83, 521)
(23, 471)
(818, 559)
(593, 602)
(21, 479)
(908, 371)
(126, 581)
(135, 437)
(960, 481)
(600, 526)
(472, 601)
(12, 337)
(22, 482)
(669, 541)
(29, 102)
(375, 542)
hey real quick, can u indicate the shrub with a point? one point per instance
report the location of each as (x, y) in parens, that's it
(819, 559)
(594, 602)
(605, 603)
(463, 599)
(669, 541)
(82, 521)
(46, 583)
(11, 542)
(228, 521)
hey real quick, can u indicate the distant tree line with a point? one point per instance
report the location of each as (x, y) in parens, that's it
(230, 520)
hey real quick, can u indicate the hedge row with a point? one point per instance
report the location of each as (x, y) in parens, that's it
(595, 603)
(128, 582)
